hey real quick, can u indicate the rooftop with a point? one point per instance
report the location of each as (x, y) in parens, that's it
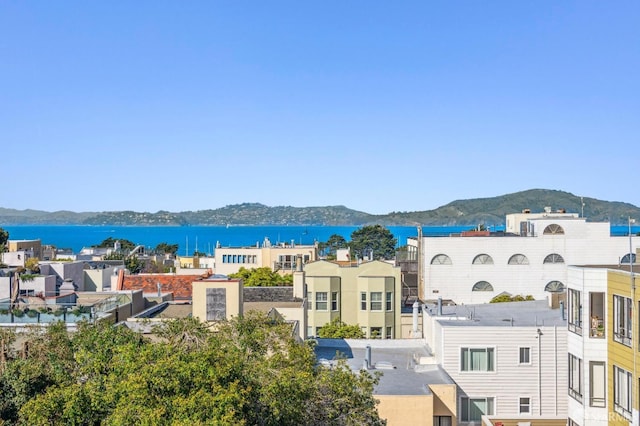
(533, 313)
(618, 266)
(397, 360)
(179, 285)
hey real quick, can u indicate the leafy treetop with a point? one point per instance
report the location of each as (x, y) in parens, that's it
(167, 248)
(337, 329)
(375, 240)
(262, 277)
(4, 237)
(110, 242)
(249, 371)
(508, 298)
(330, 247)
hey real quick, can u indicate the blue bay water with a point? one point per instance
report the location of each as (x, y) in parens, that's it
(76, 237)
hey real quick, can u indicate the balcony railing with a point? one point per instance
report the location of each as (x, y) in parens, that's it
(43, 314)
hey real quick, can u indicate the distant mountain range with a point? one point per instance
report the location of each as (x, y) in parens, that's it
(488, 211)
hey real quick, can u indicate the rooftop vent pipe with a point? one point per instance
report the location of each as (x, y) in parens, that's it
(367, 357)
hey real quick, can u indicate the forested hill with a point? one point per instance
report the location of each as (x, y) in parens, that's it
(488, 211)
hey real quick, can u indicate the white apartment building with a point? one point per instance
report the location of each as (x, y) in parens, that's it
(587, 345)
(279, 257)
(474, 267)
(508, 359)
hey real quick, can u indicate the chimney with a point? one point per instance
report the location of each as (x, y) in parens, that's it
(416, 308)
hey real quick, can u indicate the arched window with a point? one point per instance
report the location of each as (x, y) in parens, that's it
(626, 257)
(553, 258)
(482, 286)
(518, 259)
(554, 287)
(483, 259)
(553, 229)
(441, 259)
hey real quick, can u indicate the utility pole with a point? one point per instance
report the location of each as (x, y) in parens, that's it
(421, 294)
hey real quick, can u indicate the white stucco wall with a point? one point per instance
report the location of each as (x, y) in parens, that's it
(582, 243)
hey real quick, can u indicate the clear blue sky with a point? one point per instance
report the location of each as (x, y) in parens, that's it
(378, 106)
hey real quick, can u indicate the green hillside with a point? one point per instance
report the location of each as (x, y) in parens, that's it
(489, 211)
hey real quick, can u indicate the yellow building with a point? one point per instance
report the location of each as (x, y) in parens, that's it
(368, 295)
(622, 346)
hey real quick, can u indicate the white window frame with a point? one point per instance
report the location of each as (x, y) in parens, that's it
(377, 300)
(490, 366)
(597, 388)
(375, 333)
(574, 310)
(622, 319)
(363, 300)
(389, 301)
(527, 404)
(574, 378)
(322, 299)
(622, 392)
(335, 301)
(528, 355)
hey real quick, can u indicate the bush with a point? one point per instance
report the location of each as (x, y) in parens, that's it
(337, 329)
(508, 298)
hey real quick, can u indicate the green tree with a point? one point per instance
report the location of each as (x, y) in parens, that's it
(166, 248)
(249, 371)
(337, 329)
(126, 245)
(32, 265)
(261, 277)
(373, 239)
(330, 247)
(4, 237)
(134, 264)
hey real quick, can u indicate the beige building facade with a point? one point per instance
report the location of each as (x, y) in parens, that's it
(282, 258)
(215, 300)
(368, 295)
(33, 247)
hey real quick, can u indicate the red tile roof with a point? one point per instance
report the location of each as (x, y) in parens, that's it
(179, 285)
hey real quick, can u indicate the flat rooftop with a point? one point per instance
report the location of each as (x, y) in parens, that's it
(534, 313)
(618, 267)
(395, 359)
